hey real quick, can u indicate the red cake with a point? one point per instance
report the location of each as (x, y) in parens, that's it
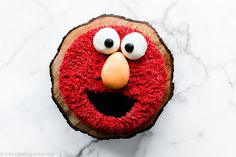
(112, 77)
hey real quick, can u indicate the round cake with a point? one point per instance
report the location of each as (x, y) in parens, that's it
(111, 77)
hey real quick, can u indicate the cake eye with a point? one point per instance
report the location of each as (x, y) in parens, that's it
(134, 45)
(106, 40)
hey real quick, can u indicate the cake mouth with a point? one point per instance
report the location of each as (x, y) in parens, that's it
(111, 103)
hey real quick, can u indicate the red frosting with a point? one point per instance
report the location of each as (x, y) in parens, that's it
(80, 71)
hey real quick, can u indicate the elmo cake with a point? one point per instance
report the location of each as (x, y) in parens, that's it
(111, 77)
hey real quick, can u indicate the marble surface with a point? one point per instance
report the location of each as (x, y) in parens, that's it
(200, 120)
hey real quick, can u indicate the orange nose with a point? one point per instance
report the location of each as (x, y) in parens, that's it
(115, 71)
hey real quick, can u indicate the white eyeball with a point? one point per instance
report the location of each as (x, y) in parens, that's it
(106, 40)
(134, 45)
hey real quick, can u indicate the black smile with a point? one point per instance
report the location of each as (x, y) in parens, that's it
(111, 103)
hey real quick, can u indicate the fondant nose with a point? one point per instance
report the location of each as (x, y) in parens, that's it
(115, 71)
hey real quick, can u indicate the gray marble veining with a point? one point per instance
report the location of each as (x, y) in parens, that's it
(200, 120)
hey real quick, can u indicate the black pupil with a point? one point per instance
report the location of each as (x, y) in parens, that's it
(129, 47)
(108, 43)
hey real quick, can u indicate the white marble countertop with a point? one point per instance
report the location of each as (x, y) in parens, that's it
(199, 121)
